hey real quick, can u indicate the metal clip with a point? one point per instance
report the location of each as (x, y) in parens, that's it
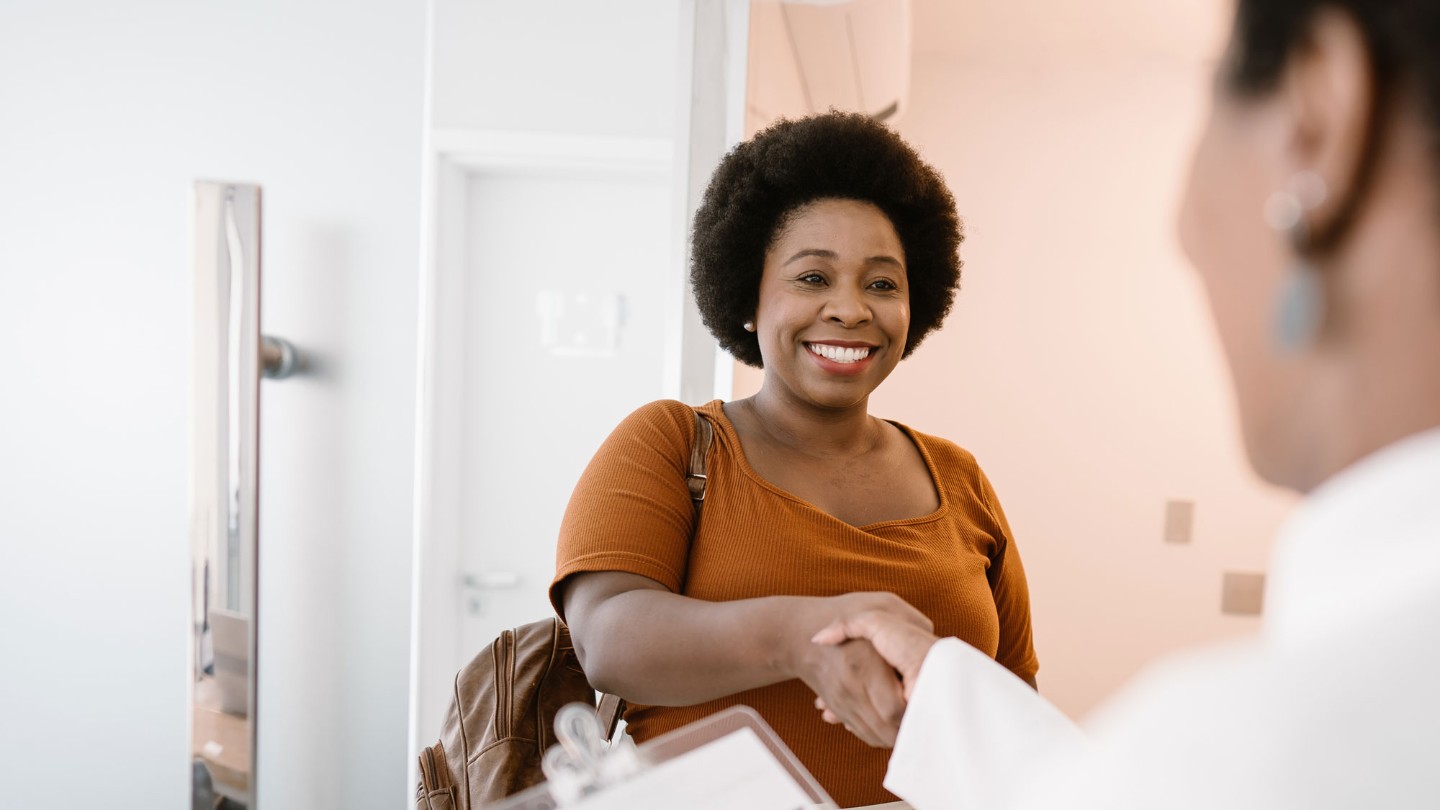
(581, 763)
(695, 482)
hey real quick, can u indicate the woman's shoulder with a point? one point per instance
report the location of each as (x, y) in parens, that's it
(957, 471)
(661, 422)
(949, 457)
(661, 411)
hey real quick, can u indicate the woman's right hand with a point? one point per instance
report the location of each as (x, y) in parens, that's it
(903, 645)
(855, 683)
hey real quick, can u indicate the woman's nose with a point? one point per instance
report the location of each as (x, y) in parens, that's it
(846, 307)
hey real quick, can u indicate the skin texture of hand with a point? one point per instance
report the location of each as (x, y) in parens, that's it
(863, 690)
(902, 644)
(855, 683)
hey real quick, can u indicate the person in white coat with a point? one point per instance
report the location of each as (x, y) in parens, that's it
(1313, 218)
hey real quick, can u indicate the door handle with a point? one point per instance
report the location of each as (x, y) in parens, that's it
(278, 358)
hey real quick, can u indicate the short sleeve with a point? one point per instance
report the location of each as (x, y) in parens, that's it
(1012, 594)
(631, 509)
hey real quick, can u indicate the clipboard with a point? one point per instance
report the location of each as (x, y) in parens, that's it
(730, 759)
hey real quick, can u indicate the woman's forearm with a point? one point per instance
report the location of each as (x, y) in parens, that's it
(659, 648)
(643, 643)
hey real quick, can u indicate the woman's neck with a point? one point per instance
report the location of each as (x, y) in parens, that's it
(1390, 397)
(809, 429)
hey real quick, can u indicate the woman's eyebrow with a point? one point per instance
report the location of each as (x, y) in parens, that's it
(824, 254)
(830, 254)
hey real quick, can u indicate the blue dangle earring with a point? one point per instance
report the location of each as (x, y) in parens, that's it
(1300, 307)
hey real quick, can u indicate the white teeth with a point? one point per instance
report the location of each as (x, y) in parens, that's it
(839, 354)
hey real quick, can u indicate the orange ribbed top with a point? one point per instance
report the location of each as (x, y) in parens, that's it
(632, 512)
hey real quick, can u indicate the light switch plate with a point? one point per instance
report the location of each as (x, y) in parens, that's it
(1242, 594)
(1179, 521)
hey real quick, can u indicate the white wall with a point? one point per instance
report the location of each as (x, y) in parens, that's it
(107, 112)
(568, 66)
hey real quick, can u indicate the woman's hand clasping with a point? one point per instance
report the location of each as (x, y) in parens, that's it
(854, 684)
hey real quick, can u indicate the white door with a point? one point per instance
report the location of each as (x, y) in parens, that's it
(566, 274)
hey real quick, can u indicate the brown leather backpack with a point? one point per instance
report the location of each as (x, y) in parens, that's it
(501, 719)
(500, 722)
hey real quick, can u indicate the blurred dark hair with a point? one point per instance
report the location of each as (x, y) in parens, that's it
(762, 182)
(1403, 38)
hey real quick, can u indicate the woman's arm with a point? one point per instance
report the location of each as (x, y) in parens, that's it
(1011, 591)
(638, 640)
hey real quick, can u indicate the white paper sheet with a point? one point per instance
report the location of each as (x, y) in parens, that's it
(975, 733)
(733, 771)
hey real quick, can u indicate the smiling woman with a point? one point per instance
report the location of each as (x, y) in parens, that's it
(824, 252)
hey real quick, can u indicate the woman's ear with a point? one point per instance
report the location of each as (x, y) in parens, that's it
(1329, 89)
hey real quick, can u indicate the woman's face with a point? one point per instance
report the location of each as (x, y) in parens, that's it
(834, 308)
(1238, 163)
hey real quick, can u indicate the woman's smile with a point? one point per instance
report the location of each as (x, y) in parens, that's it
(841, 357)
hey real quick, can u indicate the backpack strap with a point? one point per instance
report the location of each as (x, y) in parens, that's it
(611, 708)
(609, 711)
(699, 447)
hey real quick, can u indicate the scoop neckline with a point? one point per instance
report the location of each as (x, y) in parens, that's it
(728, 428)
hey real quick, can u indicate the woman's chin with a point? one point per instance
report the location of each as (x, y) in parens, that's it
(1280, 454)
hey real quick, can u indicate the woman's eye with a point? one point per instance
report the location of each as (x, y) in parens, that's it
(884, 284)
(813, 278)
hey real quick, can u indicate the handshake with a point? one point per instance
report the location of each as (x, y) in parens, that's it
(862, 665)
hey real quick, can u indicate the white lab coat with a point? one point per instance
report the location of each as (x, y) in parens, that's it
(1335, 705)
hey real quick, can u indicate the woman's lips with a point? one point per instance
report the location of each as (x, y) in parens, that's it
(841, 359)
(839, 354)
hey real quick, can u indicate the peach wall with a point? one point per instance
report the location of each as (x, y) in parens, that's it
(1079, 364)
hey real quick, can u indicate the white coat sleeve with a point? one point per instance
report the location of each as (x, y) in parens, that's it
(974, 734)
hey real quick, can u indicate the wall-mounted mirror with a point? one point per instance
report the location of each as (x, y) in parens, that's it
(230, 358)
(223, 515)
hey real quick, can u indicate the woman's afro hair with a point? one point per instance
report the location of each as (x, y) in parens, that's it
(763, 181)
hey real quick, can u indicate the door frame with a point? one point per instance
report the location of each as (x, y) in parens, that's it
(459, 158)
